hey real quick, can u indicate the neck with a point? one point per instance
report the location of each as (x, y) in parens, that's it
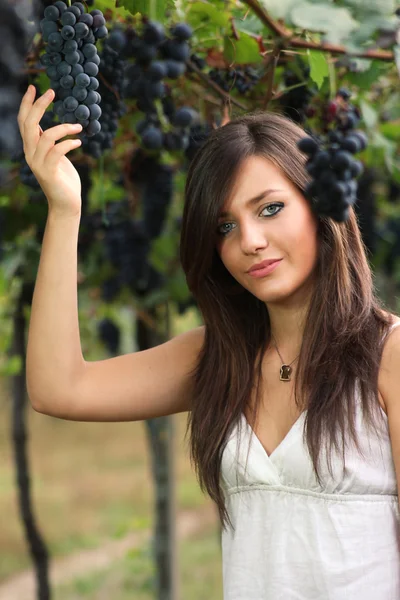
(287, 329)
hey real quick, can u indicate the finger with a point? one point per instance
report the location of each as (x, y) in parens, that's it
(26, 105)
(31, 123)
(59, 151)
(49, 138)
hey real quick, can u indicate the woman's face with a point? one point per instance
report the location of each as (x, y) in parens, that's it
(278, 225)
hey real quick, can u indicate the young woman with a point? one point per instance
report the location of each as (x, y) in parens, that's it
(291, 386)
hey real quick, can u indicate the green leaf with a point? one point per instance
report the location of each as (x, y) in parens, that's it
(391, 131)
(397, 58)
(279, 9)
(155, 9)
(318, 66)
(383, 7)
(369, 114)
(336, 22)
(242, 51)
(201, 13)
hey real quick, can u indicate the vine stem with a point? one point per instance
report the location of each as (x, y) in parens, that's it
(288, 38)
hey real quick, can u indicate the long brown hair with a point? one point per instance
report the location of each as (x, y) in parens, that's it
(342, 339)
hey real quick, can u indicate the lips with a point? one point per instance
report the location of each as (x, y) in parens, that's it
(263, 264)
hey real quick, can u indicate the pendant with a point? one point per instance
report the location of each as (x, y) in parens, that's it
(285, 373)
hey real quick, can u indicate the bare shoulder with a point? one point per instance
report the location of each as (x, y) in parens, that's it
(389, 381)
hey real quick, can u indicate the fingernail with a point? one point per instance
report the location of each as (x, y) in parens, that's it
(49, 93)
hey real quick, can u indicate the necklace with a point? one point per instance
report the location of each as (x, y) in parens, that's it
(285, 370)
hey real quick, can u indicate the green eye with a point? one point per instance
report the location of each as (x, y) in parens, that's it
(279, 205)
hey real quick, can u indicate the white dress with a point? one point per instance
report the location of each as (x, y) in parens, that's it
(296, 540)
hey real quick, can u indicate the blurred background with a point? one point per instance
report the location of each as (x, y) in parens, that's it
(100, 510)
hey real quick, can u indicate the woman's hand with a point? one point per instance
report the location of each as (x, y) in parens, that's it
(56, 174)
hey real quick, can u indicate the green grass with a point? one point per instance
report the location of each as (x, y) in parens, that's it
(134, 576)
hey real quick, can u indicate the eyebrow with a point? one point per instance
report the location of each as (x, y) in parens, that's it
(251, 201)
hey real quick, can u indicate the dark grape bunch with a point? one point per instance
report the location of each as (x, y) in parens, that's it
(295, 102)
(157, 59)
(332, 166)
(72, 62)
(155, 180)
(127, 247)
(242, 80)
(110, 334)
(112, 66)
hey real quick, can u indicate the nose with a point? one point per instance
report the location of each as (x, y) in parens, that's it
(252, 239)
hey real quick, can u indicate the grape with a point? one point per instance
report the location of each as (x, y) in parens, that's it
(152, 138)
(55, 41)
(51, 13)
(98, 21)
(182, 31)
(70, 104)
(153, 33)
(175, 68)
(75, 10)
(91, 69)
(89, 51)
(95, 112)
(67, 82)
(70, 46)
(81, 30)
(82, 80)
(79, 6)
(63, 68)
(101, 33)
(48, 27)
(184, 117)
(62, 7)
(72, 58)
(79, 93)
(68, 19)
(82, 112)
(93, 83)
(157, 70)
(93, 128)
(87, 19)
(90, 97)
(67, 32)
(76, 69)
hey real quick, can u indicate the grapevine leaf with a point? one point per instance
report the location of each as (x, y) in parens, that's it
(369, 114)
(318, 67)
(279, 9)
(336, 22)
(242, 51)
(203, 13)
(391, 131)
(155, 8)
(397, 58)
(383, 7)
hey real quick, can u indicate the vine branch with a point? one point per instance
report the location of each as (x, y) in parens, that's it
(288, 37)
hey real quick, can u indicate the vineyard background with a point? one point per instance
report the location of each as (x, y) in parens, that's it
(83, 490)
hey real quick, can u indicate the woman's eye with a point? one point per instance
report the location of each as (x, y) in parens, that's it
(278, 205)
